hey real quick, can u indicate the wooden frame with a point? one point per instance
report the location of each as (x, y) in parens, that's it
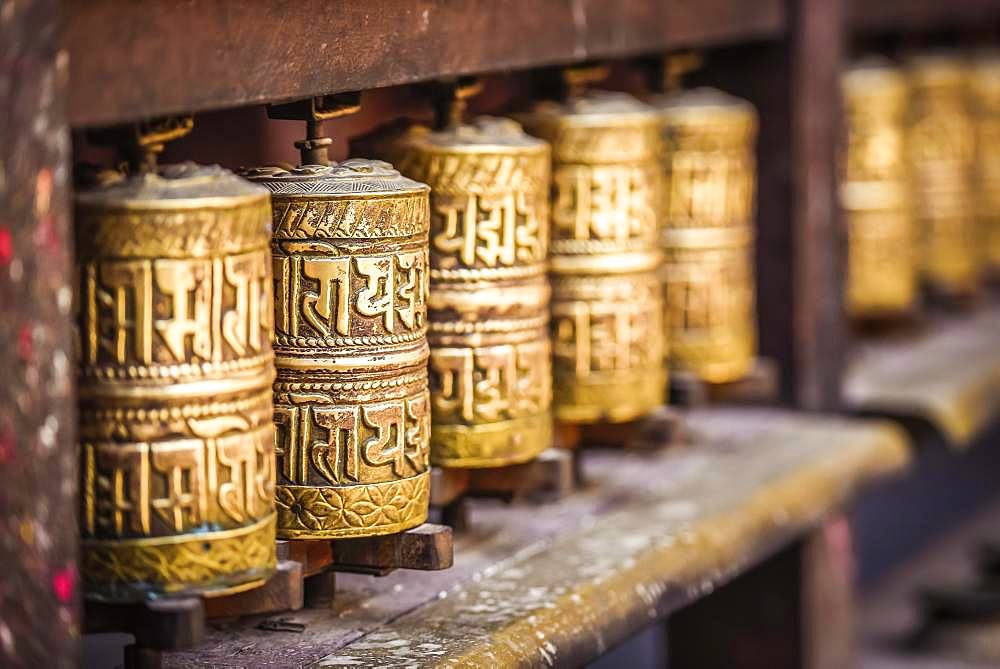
(115, 62)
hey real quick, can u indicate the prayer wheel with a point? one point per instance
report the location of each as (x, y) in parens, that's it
(606, 296)
(986, 106)
(941, 150)
(707, 232)
(352, 414)
(490, 360)
(882, 264)
(175, 373)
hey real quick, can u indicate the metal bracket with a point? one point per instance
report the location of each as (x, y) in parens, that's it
(315, 110)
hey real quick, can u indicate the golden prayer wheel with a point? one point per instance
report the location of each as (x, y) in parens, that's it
(350, 401)
(175, 373)
(985, 77)
(490, 361)
(707, 232)
(606, 297)
(941, 150)
(881, 268)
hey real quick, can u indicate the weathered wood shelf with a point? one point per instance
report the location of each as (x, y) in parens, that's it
(903, 15)
(948, 376)
(566, 581)
(893, 622)
(132, 60)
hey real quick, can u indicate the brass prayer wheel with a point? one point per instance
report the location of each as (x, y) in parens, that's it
(351, 406)
(490, 360)
(606, 297)
(707, 232)
(175, 373)
(941, 150)
(985, 77)
(882, 265)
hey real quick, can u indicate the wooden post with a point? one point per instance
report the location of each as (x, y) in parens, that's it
(794, 610)
(39, 613)
(801, 239)
(818, 232)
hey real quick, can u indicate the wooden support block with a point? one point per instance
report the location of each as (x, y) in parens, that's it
(966, 603)
(687, 390)
(662, 428)
(567, 435)
(177, 623)
(549, 476)
(456, 514)
(320, 590)
(163, 624)
(988, 558)
(281, 592)
(906, 323)
(952, 302)
(137, 657)
(315, 555)
(426, 548)
(448, 485)
(961, 621)
(761, 385)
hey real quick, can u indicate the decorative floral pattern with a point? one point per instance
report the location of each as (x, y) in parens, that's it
(171, 565)
(345, 511)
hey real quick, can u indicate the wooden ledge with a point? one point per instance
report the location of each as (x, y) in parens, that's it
(563, 582)
(908, 15)
(131, 60)
(948, 376)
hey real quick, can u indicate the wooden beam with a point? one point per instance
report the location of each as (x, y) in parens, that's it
(131, 60)
(39, 602)
(902, 15)
(794, 610)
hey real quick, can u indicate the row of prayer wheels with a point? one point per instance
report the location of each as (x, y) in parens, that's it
(921, 179)
(285, 353)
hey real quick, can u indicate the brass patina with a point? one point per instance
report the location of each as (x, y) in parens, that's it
(707, 232)
(350, 282)
(882, 264)
(490, 363)
(941, 151)
(606, 297)
(175, 372)
(986, 100)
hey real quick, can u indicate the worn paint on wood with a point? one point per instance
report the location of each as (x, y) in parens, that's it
(38, 589)
(562, 583)
(131, 60)
(947, 376)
